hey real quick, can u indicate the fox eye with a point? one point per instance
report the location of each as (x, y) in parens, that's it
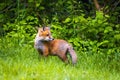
(47, 35)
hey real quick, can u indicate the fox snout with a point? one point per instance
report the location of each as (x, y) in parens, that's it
(51, 39)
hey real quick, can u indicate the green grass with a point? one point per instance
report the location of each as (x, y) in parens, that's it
(22, 62)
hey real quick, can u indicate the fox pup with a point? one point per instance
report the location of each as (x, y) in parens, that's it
(46, 45)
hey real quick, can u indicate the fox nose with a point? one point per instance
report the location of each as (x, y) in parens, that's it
(51, 39)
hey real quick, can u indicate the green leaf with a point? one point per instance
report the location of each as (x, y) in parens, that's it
(23, 22)
(117, 36)
(76, 43)
(67, 20)
(101, 43)
(42, 8)
(37, 4)
(30, 0)
(99, 15)
(108, 29)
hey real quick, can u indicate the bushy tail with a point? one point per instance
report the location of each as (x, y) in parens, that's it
(72, 54)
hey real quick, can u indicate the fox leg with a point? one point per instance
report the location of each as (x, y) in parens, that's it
(63, 57)
(40, 52)
(45, 52)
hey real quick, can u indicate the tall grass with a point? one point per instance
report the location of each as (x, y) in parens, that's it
(22, 62)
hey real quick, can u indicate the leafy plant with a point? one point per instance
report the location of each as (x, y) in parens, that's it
(23, 30)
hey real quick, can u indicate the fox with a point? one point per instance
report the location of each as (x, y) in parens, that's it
(46, 45)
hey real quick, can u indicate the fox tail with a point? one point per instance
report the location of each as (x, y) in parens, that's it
(72, 54)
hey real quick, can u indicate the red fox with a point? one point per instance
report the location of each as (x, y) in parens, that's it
(46, 45)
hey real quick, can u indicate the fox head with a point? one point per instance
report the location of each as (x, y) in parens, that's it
(44, 34)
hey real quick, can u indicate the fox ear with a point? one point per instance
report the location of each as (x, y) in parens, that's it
(37, 28)
(40, 30)
(46, 28)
